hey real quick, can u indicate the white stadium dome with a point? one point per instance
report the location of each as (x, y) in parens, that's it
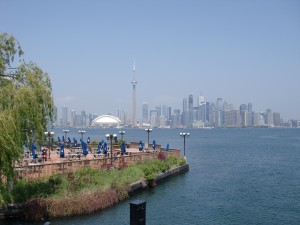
(106, 121)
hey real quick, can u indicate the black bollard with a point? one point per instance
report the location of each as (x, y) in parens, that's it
(138, 212)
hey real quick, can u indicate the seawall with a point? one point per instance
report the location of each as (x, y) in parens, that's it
(141, 185)
(16, 210)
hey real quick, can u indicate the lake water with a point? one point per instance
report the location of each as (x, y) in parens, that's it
(237, 176)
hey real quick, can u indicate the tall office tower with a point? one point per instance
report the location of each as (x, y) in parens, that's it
(196, 114)
(201, 100)
(176, 118)
(153, 118)
(64, 116)
(134, 83)
(207, 111)
(219, 104)
(89, 119)
(243, 114)
(250, 107)
(184, 105)
(122, 116)
(145, 113)
(158, 108)
(269, 118)
(77, 120)
(169, 116)
(219, 118)
(276, 118)
(190, 111)
(212, 115)
(226, 106)
(73, 119)
(201, 108)
(184, 112)
(83, 118)
(255, 118)
(232, 118)
(191, 104)
(164, 110)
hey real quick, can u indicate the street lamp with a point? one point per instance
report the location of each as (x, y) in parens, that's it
(122, 132)
(184, 135)
(49, 134)
(66, 131)
(81, 132)
(110, 137)
(148, 130)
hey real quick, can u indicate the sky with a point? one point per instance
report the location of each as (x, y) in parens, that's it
(242, 51)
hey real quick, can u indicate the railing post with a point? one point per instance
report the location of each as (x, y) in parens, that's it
(138, 212)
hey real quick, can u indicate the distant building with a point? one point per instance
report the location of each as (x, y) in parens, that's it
(276, 119)
(73, 119)
(65, 116)
(176, 122)
(106, 121)
(232, 118)
(184, 112)
(154, 118)
(122, 115)
(83, 119)
(269, 118)
(244, 114)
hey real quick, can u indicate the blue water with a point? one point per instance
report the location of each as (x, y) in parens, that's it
(237, 176)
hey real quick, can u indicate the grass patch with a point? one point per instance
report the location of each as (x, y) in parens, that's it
(85, 191)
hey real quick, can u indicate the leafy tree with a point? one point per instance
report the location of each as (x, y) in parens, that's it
(26, 103)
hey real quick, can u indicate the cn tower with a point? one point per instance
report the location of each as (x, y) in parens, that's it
(134, 83)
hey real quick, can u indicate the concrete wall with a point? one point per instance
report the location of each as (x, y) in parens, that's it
(41, 170)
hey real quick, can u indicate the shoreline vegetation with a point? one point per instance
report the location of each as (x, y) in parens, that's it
(87, 190)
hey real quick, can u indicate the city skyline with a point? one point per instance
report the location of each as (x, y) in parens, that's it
(195, 112)
(240, 51)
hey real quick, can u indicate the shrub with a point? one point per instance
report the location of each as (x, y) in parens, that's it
(5, 196)
(24, 190)
(181, 162)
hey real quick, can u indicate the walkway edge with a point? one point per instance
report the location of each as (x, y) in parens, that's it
(141, 185)
(16, 210)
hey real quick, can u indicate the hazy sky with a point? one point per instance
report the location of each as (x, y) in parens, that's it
(242, 51)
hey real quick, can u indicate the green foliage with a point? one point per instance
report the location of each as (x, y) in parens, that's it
(181, 161)
(26, 104)
(120, 142)
(24, 190)
(5, 196)
(94, 144)
(71, 185)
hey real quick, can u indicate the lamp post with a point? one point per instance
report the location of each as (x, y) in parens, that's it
(81, 132)
(184, 135)
(148, 130)
(49, 134)
(66, 131)
(110, 137)
(122, 132)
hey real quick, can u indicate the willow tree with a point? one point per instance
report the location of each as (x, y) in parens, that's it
(26, 103)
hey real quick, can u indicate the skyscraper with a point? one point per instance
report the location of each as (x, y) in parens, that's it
(191, 104)
(190, 111)
(184, 112)
(145, 113)
(83, 119)
(134, 83)
(73, 119)
(276, 118)
(64, 116)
